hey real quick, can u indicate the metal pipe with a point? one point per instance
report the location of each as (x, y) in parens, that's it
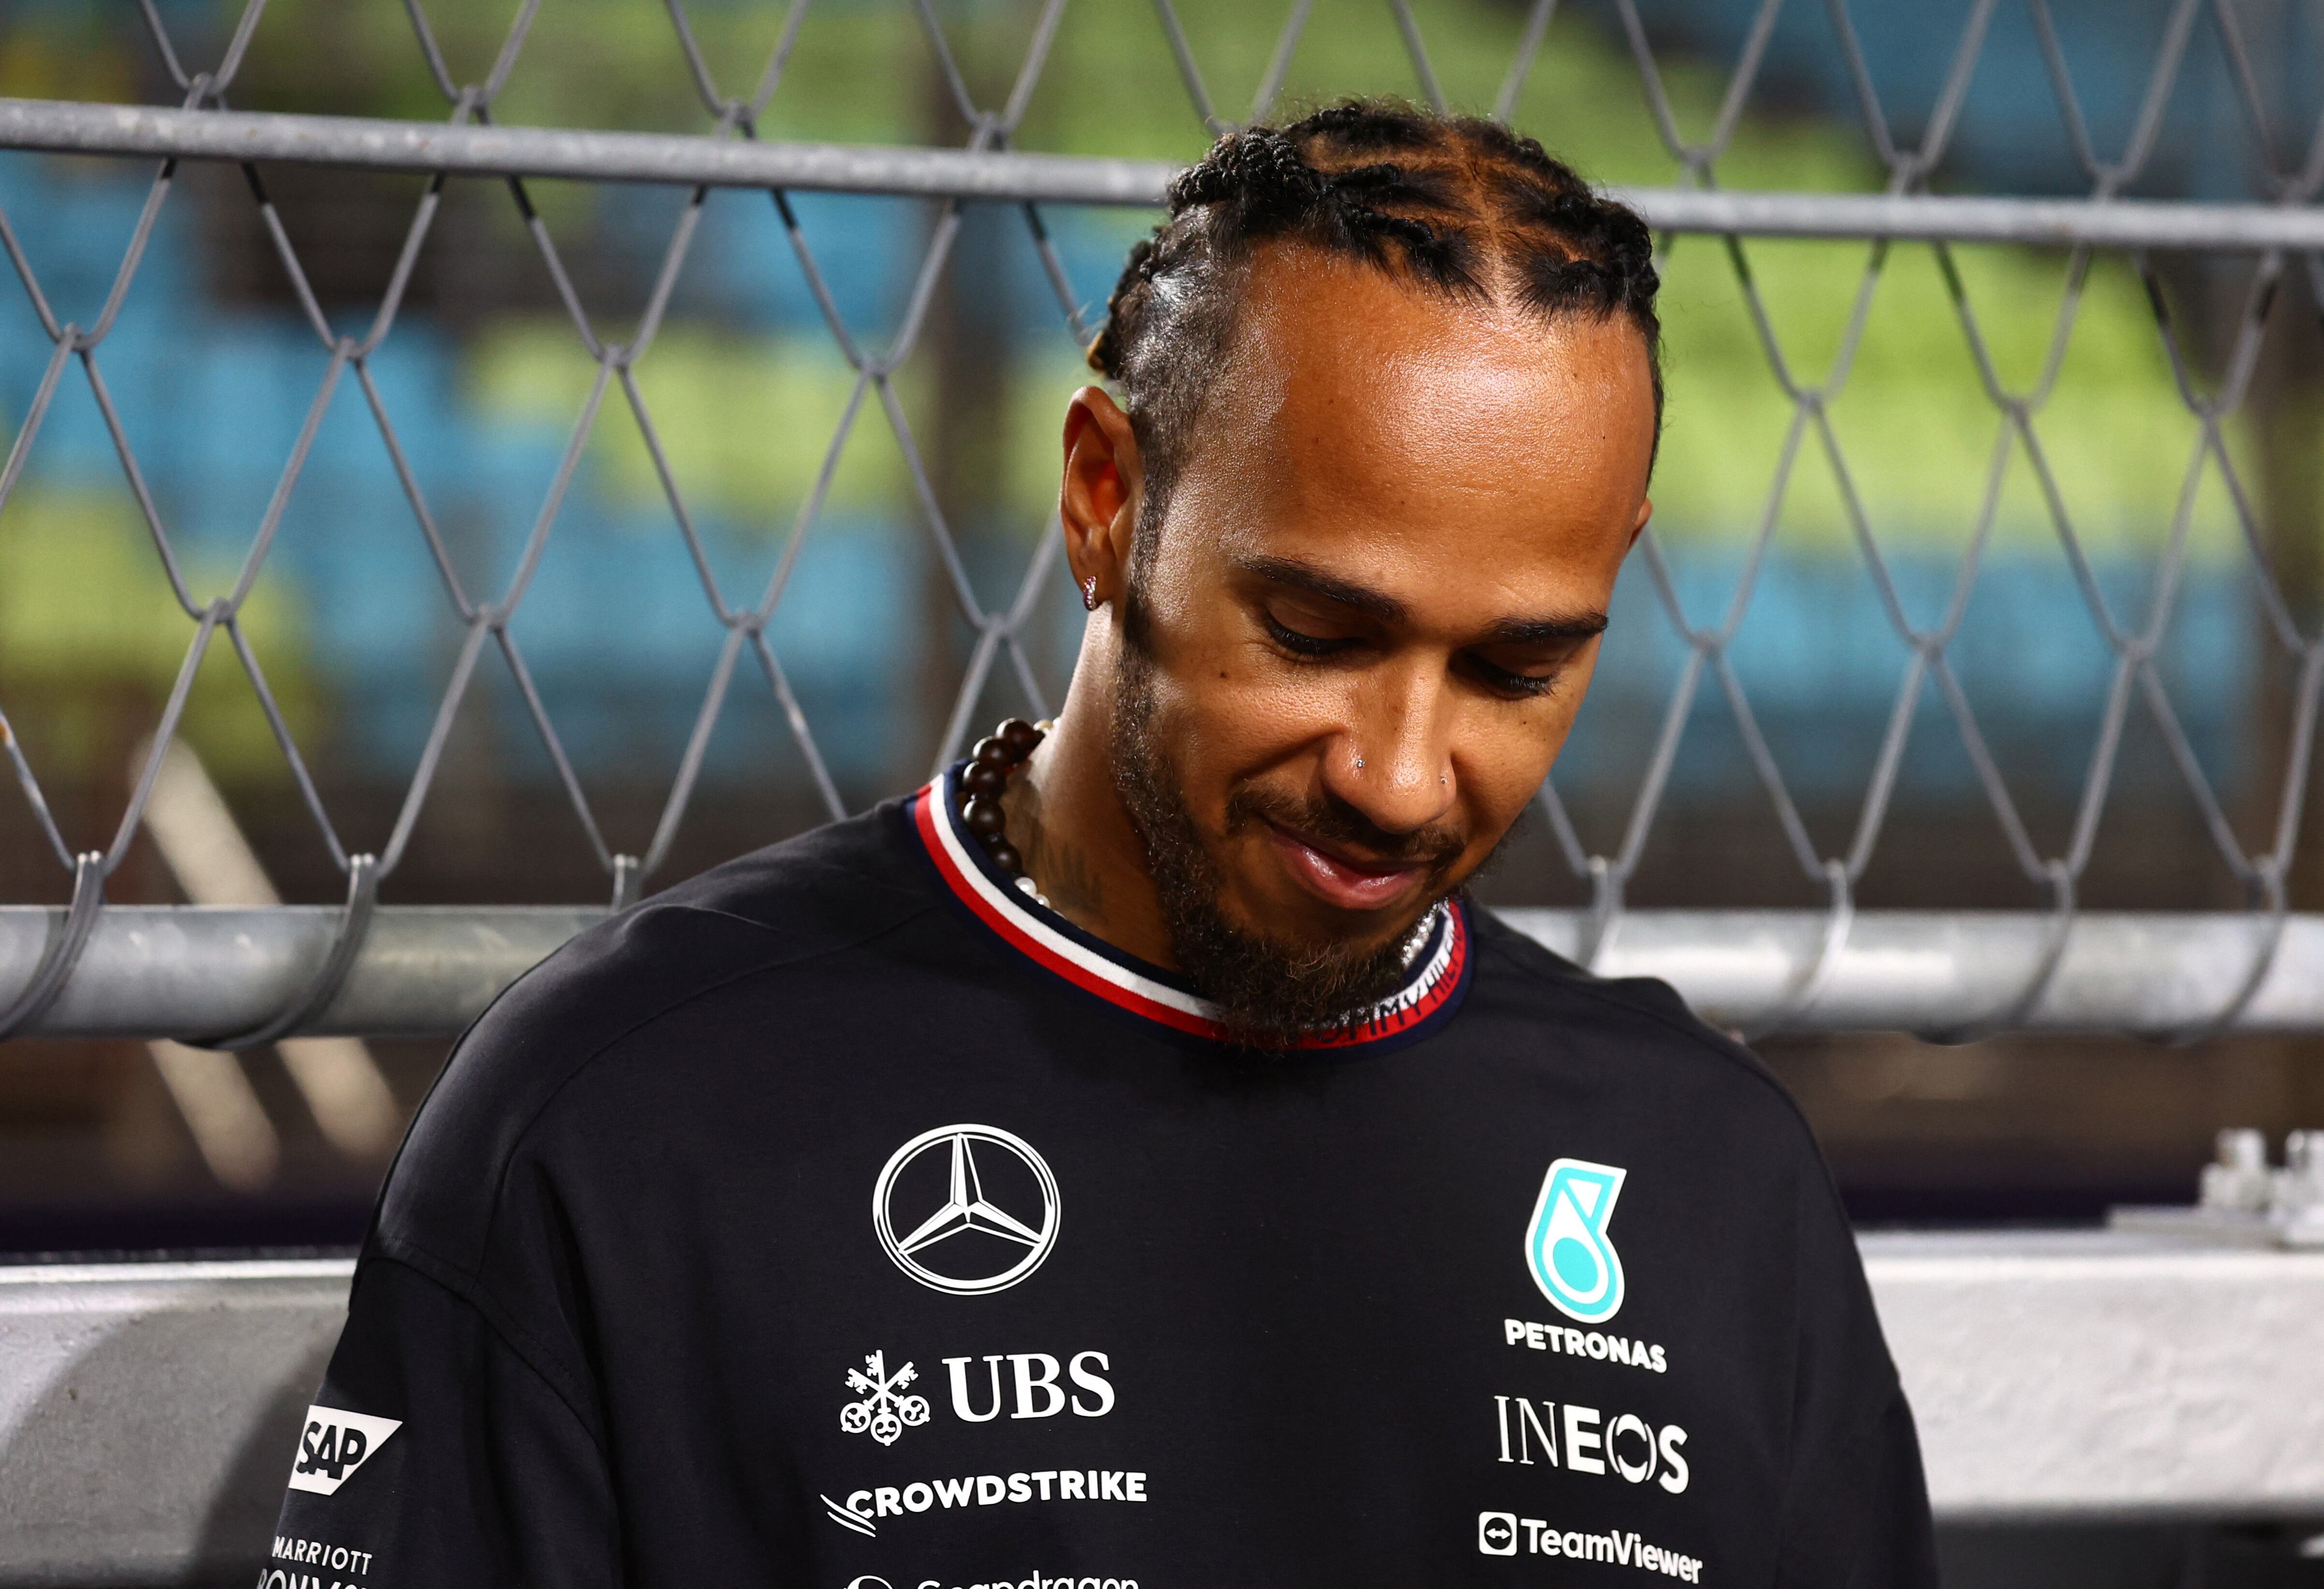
(1929, 218)
(1014, 175)
(195, 971)
(65, 127)
(1944, 973)
(191, 972)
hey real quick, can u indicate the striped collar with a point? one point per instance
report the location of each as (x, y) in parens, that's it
(1430, 992)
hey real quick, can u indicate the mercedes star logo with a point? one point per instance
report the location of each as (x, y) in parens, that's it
(971, 1176)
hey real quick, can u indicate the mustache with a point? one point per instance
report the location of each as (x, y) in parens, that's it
(1436, 847)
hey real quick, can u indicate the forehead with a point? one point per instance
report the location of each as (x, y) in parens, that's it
(1354, 407)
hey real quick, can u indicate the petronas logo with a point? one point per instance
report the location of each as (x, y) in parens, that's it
(1566, 1248)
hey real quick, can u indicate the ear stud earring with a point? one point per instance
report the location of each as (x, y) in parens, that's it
(1089, 594)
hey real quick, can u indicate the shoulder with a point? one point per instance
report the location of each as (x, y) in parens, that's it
(1637, 1029)
(795, 903)
(820, 893)
(1691, 1098)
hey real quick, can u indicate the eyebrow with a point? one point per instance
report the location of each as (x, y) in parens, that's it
(1544, 631)
(1378, 604)
(1306, 576)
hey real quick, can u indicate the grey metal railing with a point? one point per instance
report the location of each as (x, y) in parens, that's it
(194, 974)
(1011, 176)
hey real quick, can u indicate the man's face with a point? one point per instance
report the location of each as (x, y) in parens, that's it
(1373, 607)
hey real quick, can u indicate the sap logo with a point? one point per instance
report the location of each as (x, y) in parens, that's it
(1033, 1375)
(335, 1443)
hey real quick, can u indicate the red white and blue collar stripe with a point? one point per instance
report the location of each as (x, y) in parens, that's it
(1439, 976)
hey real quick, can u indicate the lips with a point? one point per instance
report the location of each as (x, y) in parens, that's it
(1342, 881)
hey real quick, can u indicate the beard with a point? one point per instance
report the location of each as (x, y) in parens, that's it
(1267, 992)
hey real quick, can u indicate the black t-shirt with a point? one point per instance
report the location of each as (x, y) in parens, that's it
(843, 1219)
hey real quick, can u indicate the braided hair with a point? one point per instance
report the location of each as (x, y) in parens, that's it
(1460, 206)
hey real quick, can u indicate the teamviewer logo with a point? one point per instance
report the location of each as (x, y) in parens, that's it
(1497, 1533)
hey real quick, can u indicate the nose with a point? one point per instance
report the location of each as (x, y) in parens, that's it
(1393, 761)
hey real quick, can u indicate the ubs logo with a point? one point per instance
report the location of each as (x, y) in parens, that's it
(966, 1209)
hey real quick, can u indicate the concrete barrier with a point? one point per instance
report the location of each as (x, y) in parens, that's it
(148, 1413)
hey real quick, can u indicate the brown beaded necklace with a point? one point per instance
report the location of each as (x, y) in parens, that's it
(982, 782)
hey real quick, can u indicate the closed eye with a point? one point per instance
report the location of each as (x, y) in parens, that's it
(1304, 644)
(1503, 682)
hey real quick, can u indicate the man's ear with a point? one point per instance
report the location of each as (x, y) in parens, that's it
(1638, 527)
(1098, 499)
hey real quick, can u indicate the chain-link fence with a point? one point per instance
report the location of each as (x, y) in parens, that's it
(2201, 674)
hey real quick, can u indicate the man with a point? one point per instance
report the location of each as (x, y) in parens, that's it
(1129, 1160)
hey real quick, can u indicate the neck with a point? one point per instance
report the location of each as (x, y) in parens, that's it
(1079, 846)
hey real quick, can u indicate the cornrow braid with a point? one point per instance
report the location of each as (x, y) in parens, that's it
(1458, 205)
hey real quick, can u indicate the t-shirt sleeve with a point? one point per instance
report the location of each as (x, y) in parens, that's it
(437, 1456)
(1856, 1506)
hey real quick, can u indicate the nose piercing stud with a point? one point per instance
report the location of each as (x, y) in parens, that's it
(1360, 761)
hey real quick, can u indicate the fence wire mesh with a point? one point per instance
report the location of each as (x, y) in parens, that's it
(2212, 380)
